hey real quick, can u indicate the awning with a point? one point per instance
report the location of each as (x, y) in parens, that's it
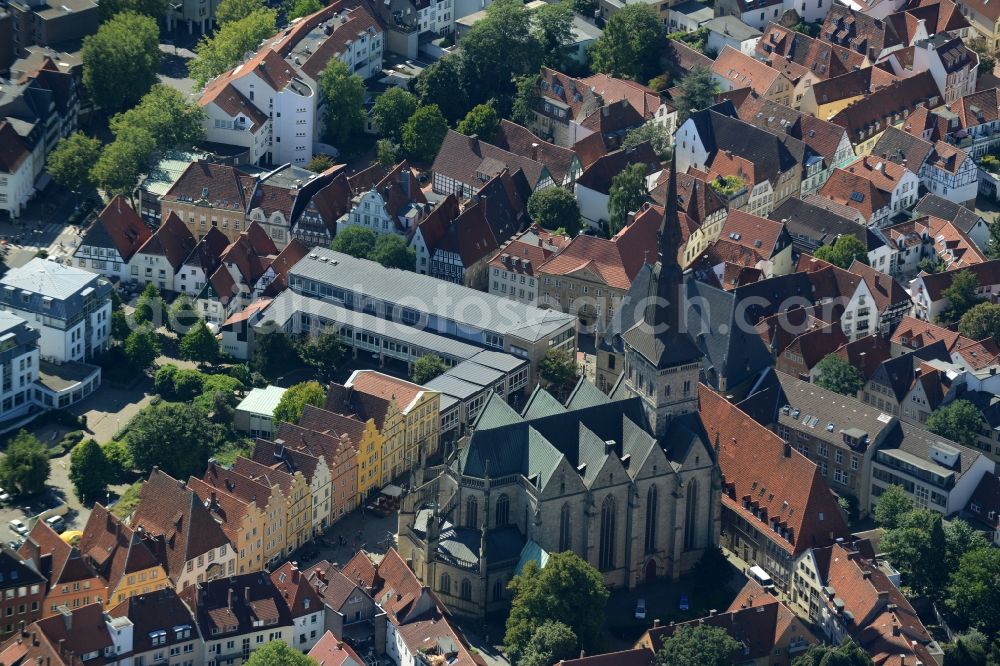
(392, 491)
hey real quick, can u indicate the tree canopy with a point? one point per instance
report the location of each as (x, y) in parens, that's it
(200, 344)
(234, 39)
(891, 506)
(974, 596)
(121, 60)
(552, 27)
(961, 295)
(981, 321)
(171, 436)
(323, 351)
(123, 160)
(89, 471)
(424, 132)
(845, 654)
(392, 252)
(555, 208)
(230, 11)
(142, 346)
(24, 468)
(391, 111)
(320, 163)
(71, 161)
(426, 368)
(655, 133)
(843, 251)
(442, 85)
(551, 642)
(627, 194)
(345, 113)
(154, 9)
(498, 49)
(916, 548)
(289, 409)
(300, 8)
(558, 368)
(481, 121)
(356, 241)
(697, 645)
(697, 92)
(273, 353)
(960, 422)
(631, 44)
(839, 376)
(568, 590)
(170, 119)
(279, 653)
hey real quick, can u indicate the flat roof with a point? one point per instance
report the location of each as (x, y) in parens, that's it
(288, 304)
(465, 307)
(58, 378)
(730, 26)
(48, 278)
(262, 400)
(452, 386)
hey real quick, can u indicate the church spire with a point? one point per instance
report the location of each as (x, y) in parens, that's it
(663, 313)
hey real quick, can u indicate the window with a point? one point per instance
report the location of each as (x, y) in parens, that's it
(503, 510)
(466, 590)
(691, 516)
(651, 519)
(472, 513)
(606, 554)
(565, 527)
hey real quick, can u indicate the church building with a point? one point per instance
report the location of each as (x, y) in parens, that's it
(628, 481)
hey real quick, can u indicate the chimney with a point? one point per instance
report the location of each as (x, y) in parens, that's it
(404, 181)
(583, 653)
(788, 450)
(656, 623)
(895, 627)
(229, 601)
(67, 618)
(246, 594)
(295, 573)
(534, 150)
(712, 612)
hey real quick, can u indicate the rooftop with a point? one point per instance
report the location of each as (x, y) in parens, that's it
(262, 400)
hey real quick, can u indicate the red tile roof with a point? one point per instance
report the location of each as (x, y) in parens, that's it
(776, 481)
(331, 651)
(172, 240)
(635, 657)
(293, 584)
(741, 70)
(385, 387)
(914, 333)
(757, 233)
(123, 226)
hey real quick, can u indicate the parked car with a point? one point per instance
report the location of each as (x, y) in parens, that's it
(18, 527)
(684, 605)
(640, 609)
(56, 523)
(4, 496)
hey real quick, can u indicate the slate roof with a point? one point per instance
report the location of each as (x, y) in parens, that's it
(160, 610)
(520, 141)
(237, 605)
(889, 104)
(470, 160)
(852, 84)
(932, 204)
(172, 240)
(598, 175)
(820, 226)
(13, 150)
(776, 478)
(858, 31)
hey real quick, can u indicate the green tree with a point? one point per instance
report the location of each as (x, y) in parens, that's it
(426, 368)
(200, 345)
(656, 133)
(125, 49)
(966, 650)
(631, 44)
(839, 376)
(170, 119)
(497, 49)
(442, 84)
(567, 590)
(345, 114)
(552, 642)
(24, 468)
(120, 463)
(844, 251)
(961, 296)
(273, 354)
(993, 244)
(558, 368)
(627, 194)
(916, 548)
(300, 8)
(278, 653)
(584, 7)
(526, 99)
(931, 266)
(981, 321)
(697, 91)
(552, 26)
(391, 111)
(960, 538)
(324, 351)
(386, 153)
(481, 121)
(119, 326)
(320, 163)
(163, 382)
(974, 596)
(356, 241)
(987, 56)
(424, 132)
(960, 422)
(149, 307)
(555, 208)
(392, 252)
(846, 654)
(123, 160)
(181, 315)
(154, 9)
(89, 471)
(891, 506)
(172, 436)
(72, 159)
(142, 346)
(223, 50)
(230, 11)
(697, 645)
(289, 409)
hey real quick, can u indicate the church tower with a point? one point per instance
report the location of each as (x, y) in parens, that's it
(662, 362)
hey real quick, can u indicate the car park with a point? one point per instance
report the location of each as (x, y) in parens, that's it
(18, 527)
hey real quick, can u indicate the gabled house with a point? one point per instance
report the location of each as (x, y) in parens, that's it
(821, 60)
(201, 263)
(927, 291)
(593, 187)
(734, 69)
(973, 123)
(304, 605)
(464, 164)
(313, 467)
(16, 168)
(70, 578)
(161, 257)
(349, 609)
(812, 226)
(827, 97)
(108, 245)
(966, 220)
(875, 187)
(395, 204)
(159, 624)
(189, 543)
(293, 489)
(943, 169)
(855, 29)
(243, 523)
(514, 267)
(950, 62)
(766, 238)
(209, 195)
(563, 163)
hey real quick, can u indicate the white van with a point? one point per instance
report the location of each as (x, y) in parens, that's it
(56, 523)
(761, 576)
